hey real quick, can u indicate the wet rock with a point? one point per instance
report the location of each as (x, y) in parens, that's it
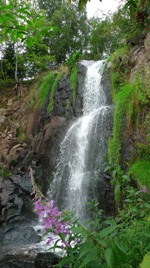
(28, 257)
(18, 234)
(63, 101)
(46, 260)
(106, 83)
(11, 261)
(15, 200)
(16, 153)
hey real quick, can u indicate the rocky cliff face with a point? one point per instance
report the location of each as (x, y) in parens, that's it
(30, 137)
(136, 133)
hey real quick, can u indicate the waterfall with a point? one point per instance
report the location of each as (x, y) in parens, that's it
(83, 148)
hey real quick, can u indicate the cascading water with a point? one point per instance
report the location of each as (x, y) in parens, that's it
(83, 148)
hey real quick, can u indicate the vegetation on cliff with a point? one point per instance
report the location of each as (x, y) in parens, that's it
(120, 241)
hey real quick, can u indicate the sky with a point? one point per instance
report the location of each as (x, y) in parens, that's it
(97, 8)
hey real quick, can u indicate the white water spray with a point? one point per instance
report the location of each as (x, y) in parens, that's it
(83, 148)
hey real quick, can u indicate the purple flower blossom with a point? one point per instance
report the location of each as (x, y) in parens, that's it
(51, 219)
(144, 190)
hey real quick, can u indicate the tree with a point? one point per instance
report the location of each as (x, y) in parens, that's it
(19, 21)
(81, 3)
(50, 6)
(73, 35)
(22, 27)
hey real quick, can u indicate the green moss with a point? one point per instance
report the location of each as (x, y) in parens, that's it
(129, 101)
(21, 135)
(119, 68)
(5, 173)
(53, 90)
(147, 127)
(45, 87)
(116, 83)
(143, 151)
(73, 80)
(141, 172)
(68, 105)
(122, 99)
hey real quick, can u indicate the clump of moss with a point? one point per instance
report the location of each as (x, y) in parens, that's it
(143, 151)
(45, 87)
(129, 100)
(147, 127)
(53, 90)
(122, 99)
(116, 82)
(120, 62)
(141, 172)
(21, 135)
(5, 173)
(73, 80)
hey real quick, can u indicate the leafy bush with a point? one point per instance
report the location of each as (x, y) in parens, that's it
(73, 59)
(120, 241)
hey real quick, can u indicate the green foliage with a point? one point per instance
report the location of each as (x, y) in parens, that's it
(20, 22)
(122, 100)
(143, 151)
(73, 32)
(104, 38)
(116, 82)
(141, 172)
(119, 181)
(5, 173)
(45, 87)
(53, 90)
(119, 242)
(73, 80)
(73, 59)
(147, 127)
(129, 100)
(120, 67)
(21, 135)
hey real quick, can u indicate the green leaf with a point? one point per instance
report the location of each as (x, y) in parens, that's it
(105, 232)
(88, 259)
(29, 42)
(5, 7)
(13, 35)
(22, 17)
(146, 261)
(24, 11)
(119, 250)
(76, 230)
(109, 257)
(10, 17)
(85, 248)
